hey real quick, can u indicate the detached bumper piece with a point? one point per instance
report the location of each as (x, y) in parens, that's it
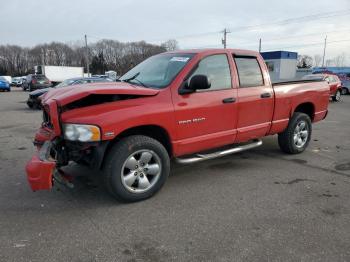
(40, 169)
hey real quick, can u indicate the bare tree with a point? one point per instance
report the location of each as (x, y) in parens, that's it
(317, 60)
(304, 61)
(170, 45)
(340, 60)
(329, 62)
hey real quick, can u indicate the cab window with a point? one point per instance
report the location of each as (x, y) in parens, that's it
(217, 69)
(249, 72)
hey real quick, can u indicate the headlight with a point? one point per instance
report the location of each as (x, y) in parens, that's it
(82, 133)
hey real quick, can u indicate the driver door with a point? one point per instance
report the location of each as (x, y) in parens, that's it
(206, 118)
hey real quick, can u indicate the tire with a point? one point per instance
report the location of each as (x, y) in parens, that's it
(344, 91)
(337, 96)
(30, 105)
(37, 106)
(123, 170)
(289, 141)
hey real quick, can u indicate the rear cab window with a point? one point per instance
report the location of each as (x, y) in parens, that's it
(249, 71)
(40, 77)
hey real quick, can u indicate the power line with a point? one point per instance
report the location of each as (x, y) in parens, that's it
(87, 56)
(225, 39)
(302, 35)
(297, 19)
(307, 18)
(313, 44)
(324, 51)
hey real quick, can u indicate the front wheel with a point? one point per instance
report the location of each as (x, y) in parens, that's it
(336, 97)
(136, 168)
(344, 91)
(296, 137)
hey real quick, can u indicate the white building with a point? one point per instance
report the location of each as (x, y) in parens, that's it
(281, 64)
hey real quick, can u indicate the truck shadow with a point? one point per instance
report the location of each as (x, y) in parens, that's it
(89, 187)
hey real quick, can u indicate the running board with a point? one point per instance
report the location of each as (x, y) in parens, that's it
(202, 157)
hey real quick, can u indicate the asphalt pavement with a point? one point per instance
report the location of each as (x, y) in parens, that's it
(259, 205)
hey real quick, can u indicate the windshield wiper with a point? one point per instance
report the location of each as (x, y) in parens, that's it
(134, 78)
(131, 78)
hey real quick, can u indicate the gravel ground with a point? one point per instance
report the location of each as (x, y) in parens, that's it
(260, 205)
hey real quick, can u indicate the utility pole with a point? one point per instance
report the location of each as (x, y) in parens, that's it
(324, 51)
(260, 45)
(224, 40)
(87, 56)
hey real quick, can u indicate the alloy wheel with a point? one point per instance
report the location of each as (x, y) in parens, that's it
(301, 134)
(141, 171)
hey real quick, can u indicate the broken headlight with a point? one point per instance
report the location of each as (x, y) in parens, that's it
(82, 133)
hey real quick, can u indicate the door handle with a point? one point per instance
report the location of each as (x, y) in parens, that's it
(265, 95)
(229, 100)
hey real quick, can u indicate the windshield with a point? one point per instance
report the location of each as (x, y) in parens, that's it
(157, 71)
(67, 82)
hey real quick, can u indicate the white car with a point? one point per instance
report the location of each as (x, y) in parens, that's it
(17, 81)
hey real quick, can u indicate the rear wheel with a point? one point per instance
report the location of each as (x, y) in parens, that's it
(297, 135)
(136, 168)
(336, 97)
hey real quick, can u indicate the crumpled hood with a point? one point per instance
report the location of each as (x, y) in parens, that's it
(66, 95)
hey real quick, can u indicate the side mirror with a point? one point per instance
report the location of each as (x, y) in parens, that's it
(197, 82)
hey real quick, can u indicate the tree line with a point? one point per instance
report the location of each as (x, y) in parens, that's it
(306, 61)
(103, 55)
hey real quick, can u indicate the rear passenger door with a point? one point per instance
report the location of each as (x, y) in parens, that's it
(255, 99)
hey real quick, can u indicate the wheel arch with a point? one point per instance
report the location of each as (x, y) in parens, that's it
(306, 108)
(154, 131)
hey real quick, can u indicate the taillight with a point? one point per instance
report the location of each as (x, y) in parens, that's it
(34, 81)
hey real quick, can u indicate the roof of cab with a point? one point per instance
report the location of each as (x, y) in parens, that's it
(217, 50)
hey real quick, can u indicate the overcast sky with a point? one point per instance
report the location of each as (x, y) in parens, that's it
(195, 24)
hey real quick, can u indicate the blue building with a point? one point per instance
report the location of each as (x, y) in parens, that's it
(281, 64)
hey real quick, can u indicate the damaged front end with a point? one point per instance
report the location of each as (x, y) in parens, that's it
(41, 167)
(55, 152)
(63, 137)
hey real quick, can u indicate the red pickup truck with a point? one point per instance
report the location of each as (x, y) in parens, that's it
(186, 105)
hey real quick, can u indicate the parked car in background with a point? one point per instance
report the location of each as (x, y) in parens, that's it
(34, 96)
(7, 78)
(333, 81)
(17, 81)
(4, 84)
(57, 74)
(34, 82)
(342, 72)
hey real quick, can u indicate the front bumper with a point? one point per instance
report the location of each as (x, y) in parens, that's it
(40, 168)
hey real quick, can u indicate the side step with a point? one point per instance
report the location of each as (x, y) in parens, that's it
(202, 157)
